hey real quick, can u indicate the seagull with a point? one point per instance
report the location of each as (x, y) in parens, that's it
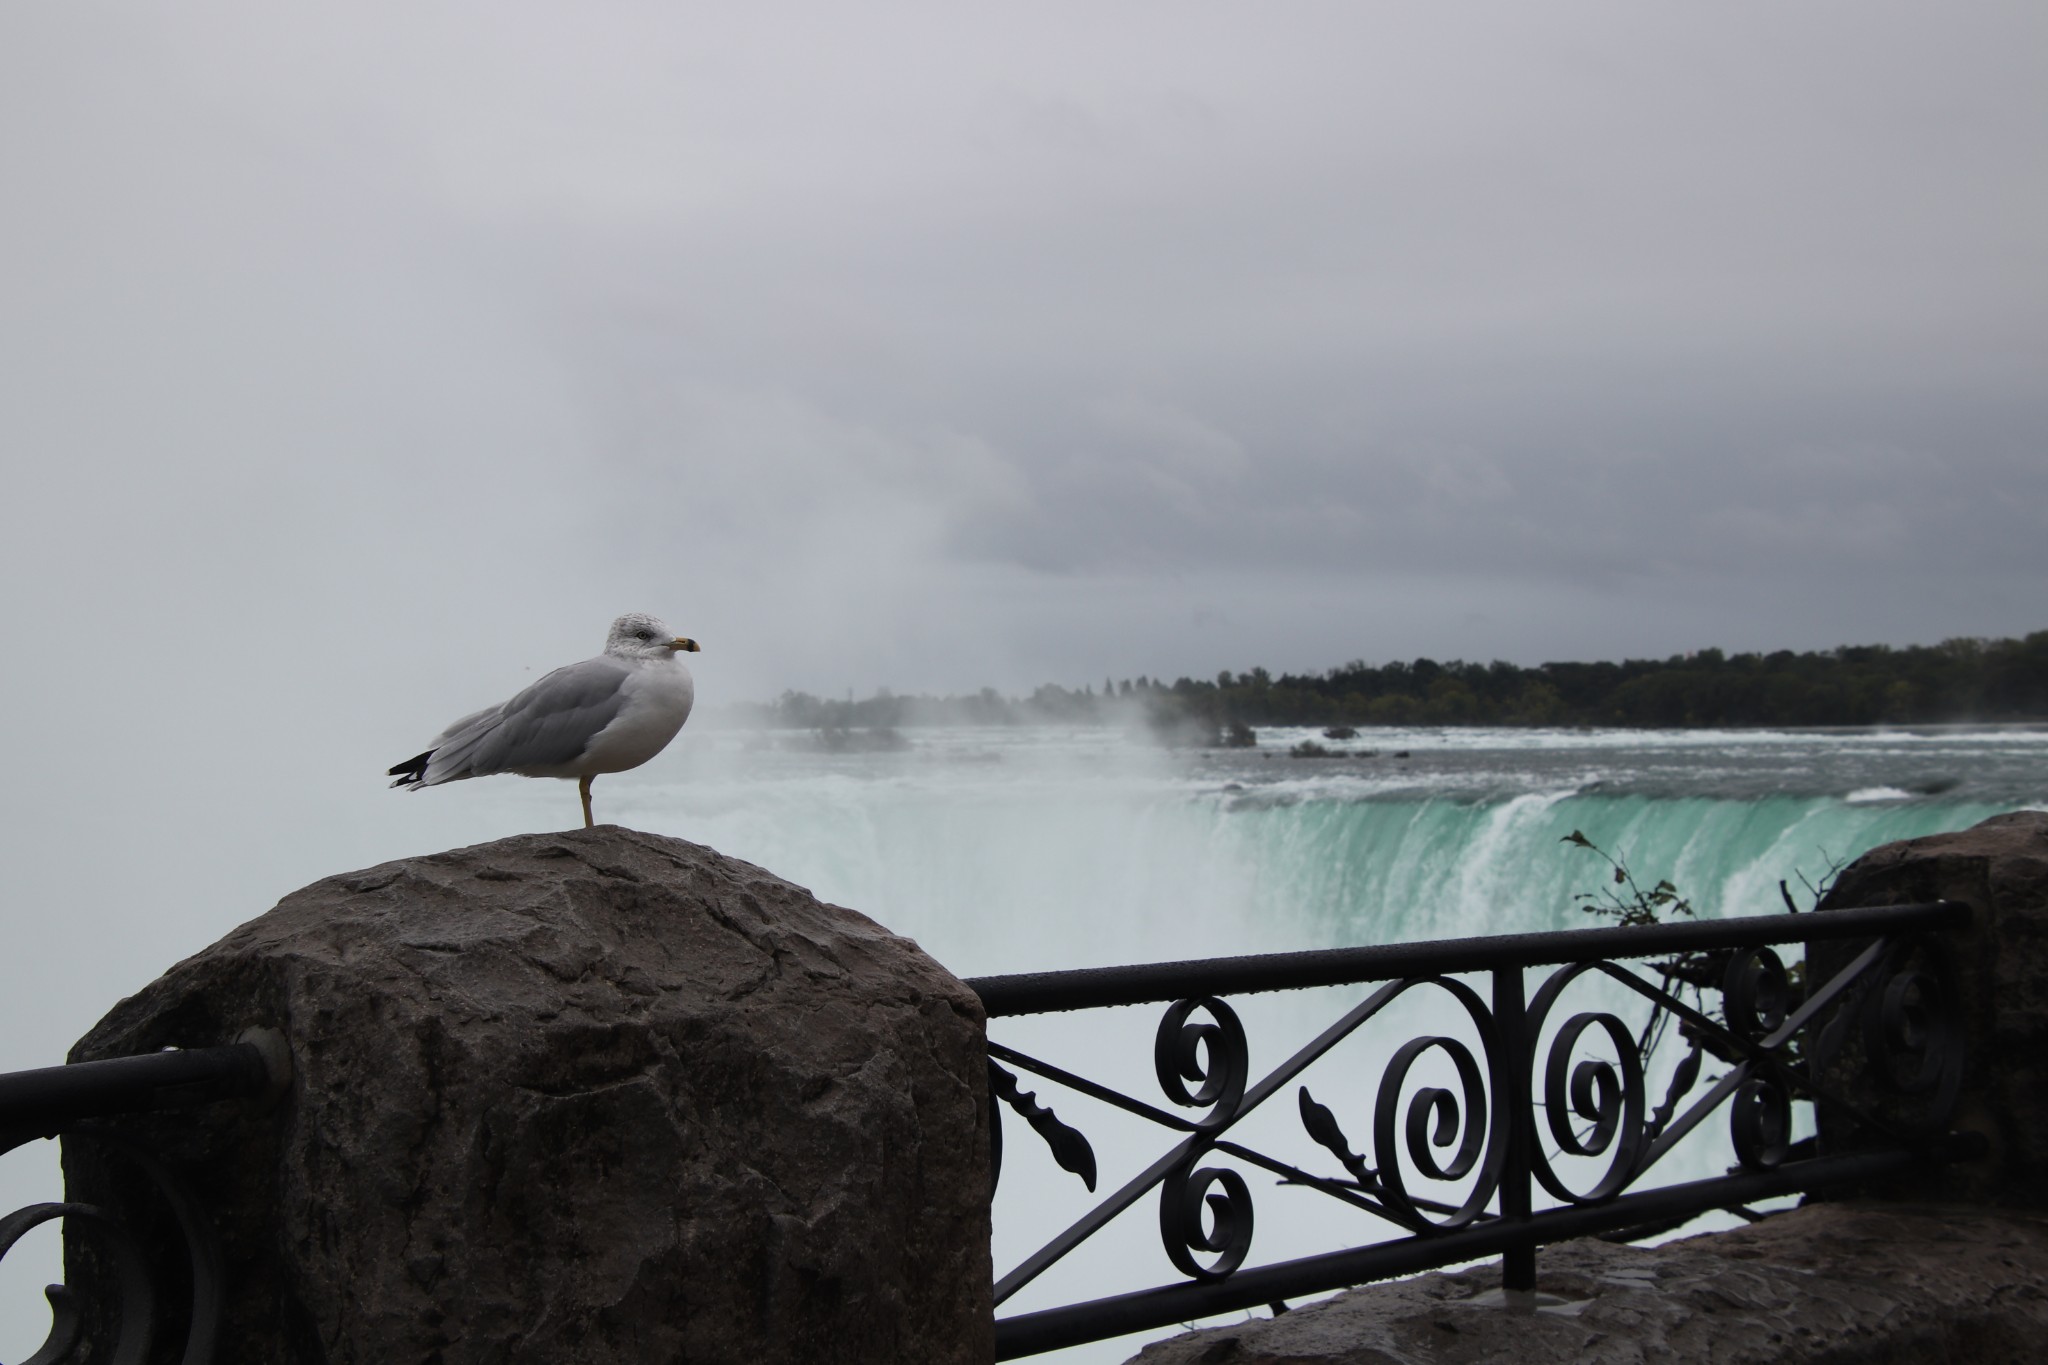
(604, 715)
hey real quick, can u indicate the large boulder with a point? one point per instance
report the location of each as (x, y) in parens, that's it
(1824, 1285)
(1998, 970)
(597, 1096)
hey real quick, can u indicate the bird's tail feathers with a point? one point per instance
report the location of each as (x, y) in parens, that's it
(412, 773)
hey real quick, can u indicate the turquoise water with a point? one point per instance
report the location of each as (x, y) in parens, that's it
(1025, 849)
(1378, 870)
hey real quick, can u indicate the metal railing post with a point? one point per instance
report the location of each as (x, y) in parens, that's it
(1513, 1107)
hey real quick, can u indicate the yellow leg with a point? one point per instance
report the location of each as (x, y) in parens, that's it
(583, 790)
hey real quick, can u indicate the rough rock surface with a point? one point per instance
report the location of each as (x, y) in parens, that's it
(1833, 1284)
(596, 1096)
(2000, 964)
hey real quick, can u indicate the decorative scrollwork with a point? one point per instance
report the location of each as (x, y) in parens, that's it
(1756, 992)
(1438, 1119)
(1212, 1055)
(1760, 1122)
(1464, 1130)
(1321, 1125)
(1611, 1103)
(1069, 1147)
(1608, 1095)
(135, 1293)
(129, 1264)
(1185, 1197)
(1434, 1102)
(1912, 1040)
(1905, 1032)
(1683, 1079)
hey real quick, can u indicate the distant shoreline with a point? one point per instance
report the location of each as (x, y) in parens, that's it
(1960, 682)
(729, 718)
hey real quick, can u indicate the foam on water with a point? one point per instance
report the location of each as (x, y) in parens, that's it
(1011, 850)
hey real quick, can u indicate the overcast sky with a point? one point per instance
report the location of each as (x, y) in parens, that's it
(359, 362)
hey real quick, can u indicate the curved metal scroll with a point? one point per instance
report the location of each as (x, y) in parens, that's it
(1214, 1056)
(1912, 1039)
(1438, 1119)
(1608, 1096)
(1908, 1079)
(1216, 1059)
(137, 1296)
(1461, 1124)
(1760, 1122)
(1756, 992)
(1183, 1197)
(134, 1324)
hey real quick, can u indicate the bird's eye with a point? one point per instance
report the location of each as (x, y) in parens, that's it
(644, 634)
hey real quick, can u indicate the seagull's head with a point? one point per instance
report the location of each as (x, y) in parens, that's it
(636, 635)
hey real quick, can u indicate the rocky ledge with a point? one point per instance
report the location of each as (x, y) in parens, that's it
(599, 1097)
(1830, 1284)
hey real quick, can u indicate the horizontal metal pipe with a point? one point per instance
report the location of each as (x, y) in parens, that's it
(38, 1103)
(1030, 1333)
(1097, 987)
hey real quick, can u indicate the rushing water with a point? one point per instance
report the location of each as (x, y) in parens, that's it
(1018, 849)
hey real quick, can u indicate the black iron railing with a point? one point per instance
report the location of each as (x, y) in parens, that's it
(1493, 1162)
(63, 1100)
(1478, 1135)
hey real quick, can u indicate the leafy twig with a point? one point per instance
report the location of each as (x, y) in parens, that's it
(1632, 905)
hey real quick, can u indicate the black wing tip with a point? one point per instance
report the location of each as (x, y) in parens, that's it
(412, 772)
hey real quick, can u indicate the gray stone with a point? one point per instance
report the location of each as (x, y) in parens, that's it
(596, 1096)
(1830, 1284)
(2000, 974)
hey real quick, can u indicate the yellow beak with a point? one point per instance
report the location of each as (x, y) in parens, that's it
(687, 646)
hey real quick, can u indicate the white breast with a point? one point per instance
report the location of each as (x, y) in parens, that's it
(658, 696)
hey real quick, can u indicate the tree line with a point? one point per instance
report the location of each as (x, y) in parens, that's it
(1956, 680)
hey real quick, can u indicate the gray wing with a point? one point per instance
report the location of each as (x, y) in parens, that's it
(457, 727)
(549, 724)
